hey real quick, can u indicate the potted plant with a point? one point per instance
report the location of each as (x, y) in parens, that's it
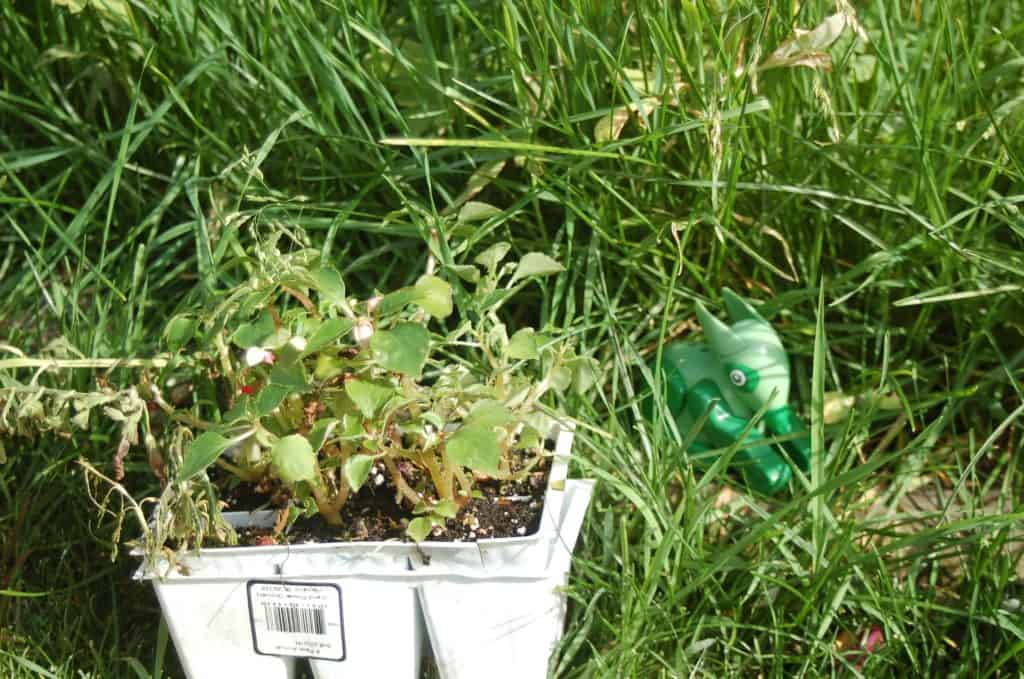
(380, 444)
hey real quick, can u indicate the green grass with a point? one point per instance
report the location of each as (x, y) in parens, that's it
(875, 209)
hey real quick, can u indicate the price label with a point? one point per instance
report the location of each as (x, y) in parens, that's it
(297, 619)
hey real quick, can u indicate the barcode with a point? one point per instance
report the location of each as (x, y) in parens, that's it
(292, 620)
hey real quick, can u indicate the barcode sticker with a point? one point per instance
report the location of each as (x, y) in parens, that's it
(297, 619)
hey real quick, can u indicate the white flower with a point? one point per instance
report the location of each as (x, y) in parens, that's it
(255, 355)
(363, 331)
(299, 343)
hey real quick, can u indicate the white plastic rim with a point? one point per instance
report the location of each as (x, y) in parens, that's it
(504, 628)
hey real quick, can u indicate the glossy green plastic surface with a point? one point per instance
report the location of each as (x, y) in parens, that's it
(741, 370)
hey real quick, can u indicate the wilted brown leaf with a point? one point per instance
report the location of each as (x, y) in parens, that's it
(609, 128)
(805, 48)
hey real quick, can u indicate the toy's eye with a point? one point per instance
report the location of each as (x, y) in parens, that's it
(738, 377)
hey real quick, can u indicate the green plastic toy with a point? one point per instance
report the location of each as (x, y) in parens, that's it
(742, 369)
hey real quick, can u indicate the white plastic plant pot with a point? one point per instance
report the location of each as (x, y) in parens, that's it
(506, 624)
(249, 611)
(527, 554)
(252, 612)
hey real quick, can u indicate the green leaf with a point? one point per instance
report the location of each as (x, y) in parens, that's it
(396, 301)
(329, 330)
(309, 507)
(862, 67)
(561, 378)
(303, 325)
(536, 264)
(585, 374)
(446, 508)
(255, 334)
(489, 413)
(202, 453)
(357, 470)
(278, 340)
(270, 397)
(819, 368)
(492, 256)
(369, 396)
(328, 367)
(179, 331)
(475, 446)
(331, 286)
(239, 411)
(523, 345)
(290, 375)
(419, 529)
(474, 211)
(402, 349)
(468, 273)
(293, 459)
(351, 426)
(434, 296)
(433, 418)
(254, 301)
(529, 438)
(321, 430)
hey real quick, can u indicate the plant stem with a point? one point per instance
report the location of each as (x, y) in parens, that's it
(83, 363)
(303, 300)
(342, 484)
(442, 481)
(464, 483)
(247, 475)
(404, 491)
(329, 509)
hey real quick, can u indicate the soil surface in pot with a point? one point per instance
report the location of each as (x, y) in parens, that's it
(502, 509)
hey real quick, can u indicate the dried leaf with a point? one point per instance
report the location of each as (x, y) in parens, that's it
(540, 98)
(114, 414)
(109, 7)
(805, 48)
(118, 462)
(609, 128)
(817, 60)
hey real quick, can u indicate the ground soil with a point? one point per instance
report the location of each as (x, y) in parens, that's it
(502, 509)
